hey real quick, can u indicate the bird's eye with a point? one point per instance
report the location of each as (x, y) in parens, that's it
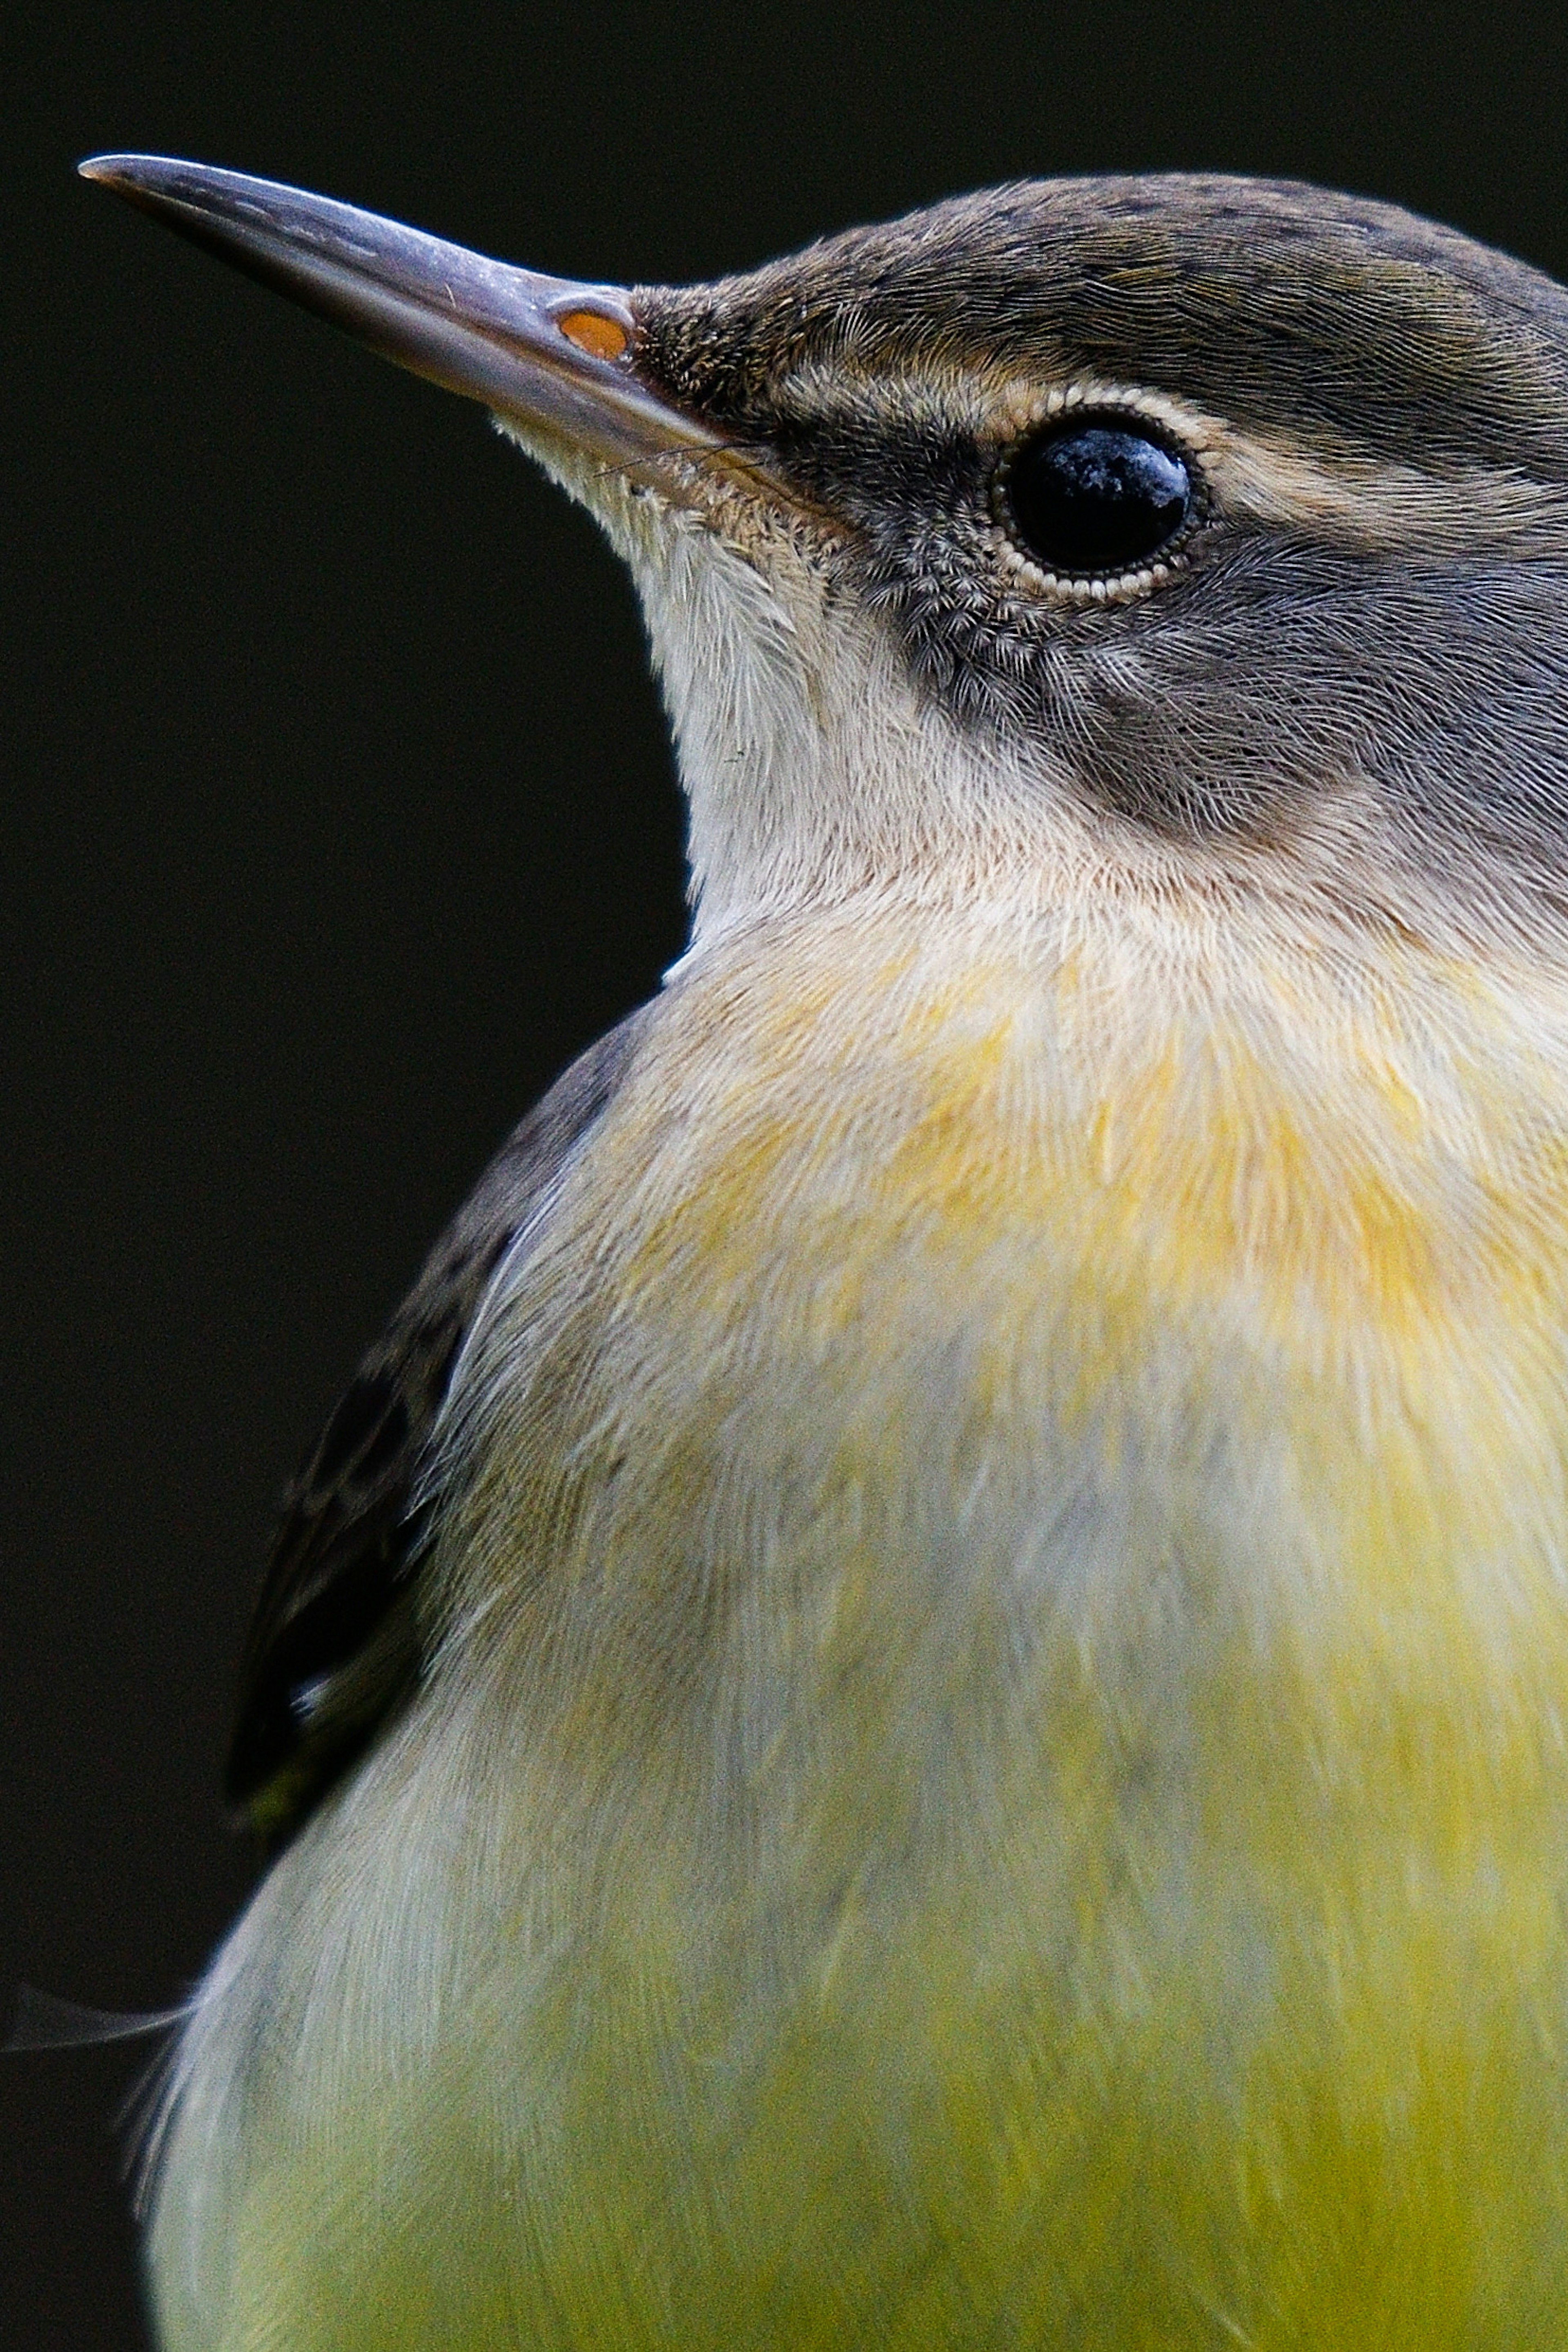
(1094, 495)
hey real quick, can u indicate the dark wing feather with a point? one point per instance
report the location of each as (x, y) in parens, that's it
(334, 1645)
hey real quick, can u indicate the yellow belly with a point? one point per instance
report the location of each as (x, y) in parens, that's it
(999, 1778)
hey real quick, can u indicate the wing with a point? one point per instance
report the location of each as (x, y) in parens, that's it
(334, 1646)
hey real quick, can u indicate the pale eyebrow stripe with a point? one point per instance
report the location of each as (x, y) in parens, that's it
(1354, 499)
(1366, 504)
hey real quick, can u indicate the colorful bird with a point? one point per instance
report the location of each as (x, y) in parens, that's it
(921, 1700)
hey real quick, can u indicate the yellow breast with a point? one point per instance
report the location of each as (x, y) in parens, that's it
(1016, 1530)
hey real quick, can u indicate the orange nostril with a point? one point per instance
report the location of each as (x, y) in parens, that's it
(592, 331)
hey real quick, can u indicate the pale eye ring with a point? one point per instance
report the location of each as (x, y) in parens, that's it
(1096, 494)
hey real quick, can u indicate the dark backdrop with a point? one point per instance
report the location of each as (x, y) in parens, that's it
(335, 812)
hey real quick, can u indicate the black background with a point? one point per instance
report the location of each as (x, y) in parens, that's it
(334, 807)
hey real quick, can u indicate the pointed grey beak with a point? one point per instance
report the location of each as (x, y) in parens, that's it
(540, 351)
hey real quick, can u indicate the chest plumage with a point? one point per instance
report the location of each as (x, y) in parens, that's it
(994, 1768)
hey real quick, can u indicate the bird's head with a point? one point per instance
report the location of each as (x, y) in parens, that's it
(1170, 535)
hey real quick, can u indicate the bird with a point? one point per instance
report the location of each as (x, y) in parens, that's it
(921, 1699)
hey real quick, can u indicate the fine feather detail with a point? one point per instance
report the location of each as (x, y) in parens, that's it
(335, 1644)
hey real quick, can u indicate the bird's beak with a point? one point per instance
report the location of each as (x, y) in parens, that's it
(541, 351)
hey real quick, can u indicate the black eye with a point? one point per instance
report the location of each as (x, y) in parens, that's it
(1096, 494)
